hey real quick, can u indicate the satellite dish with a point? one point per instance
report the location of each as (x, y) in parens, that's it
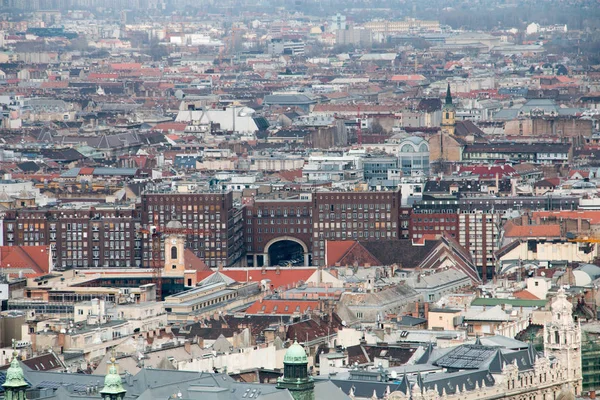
(542, 273)
(343, 323)
(394, 375)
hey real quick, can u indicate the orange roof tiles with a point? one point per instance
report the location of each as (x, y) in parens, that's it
(126, 66)
(402, 78)
(512, 230)
(170, 126)
(30, 260)
(193, 262)
(290, 175)
(336, 249)
(55, 85)
(86, 171)
(592, 216)
(102, 76)
(285, 307)
(279, 277)
(525, 295)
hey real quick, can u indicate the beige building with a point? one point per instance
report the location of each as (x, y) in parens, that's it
(444, 319)
(407, 25)
(555, 375)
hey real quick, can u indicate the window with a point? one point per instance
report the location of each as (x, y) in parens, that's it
(174, 252)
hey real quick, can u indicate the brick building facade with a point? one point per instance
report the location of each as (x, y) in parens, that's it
(79, 238)
(218, 236)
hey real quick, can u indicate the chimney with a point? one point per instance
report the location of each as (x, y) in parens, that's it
(278, 270)
(416, 315)
(524, 219)
(426, 310)
(61, 340)
(592, 394)
(497, 182)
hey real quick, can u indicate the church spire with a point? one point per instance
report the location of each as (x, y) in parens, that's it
(448, 96)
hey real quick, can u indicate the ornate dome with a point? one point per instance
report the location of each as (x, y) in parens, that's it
(14, 374)
(175, 225)
(112, 381)
(295, 355)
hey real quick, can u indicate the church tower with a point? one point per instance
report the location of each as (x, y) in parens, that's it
(113, 386)
(562, 340)
(295, 374)
(174, 249)
(15, 386)
(448, 115)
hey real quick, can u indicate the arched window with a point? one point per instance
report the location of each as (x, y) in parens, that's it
(407, 148)
(447, 115)
(423, 148)
(174, 252)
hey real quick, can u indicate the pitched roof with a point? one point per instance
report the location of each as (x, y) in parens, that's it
(279, 277)
(525, 295)
(592, 215)
(193, 262)
(28, 260)
(513, 230)
(282, 307)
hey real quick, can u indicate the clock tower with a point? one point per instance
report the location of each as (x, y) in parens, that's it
(174, 249)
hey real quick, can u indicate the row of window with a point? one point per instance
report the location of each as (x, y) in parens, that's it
(279, 221)
(355, 206)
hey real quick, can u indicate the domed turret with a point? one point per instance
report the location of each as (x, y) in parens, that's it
(295, 373)
(295, 355)
(113, 385)
(15, 380)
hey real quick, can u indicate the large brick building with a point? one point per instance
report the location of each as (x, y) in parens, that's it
(217, 225)
(311, 219)
(96, 237)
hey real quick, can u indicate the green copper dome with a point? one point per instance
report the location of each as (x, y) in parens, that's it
(113, 384)
(295, 355)
(14, 374)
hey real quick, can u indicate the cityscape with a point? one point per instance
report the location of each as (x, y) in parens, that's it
(302, 200)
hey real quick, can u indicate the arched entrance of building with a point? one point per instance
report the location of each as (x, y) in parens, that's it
(286, 250)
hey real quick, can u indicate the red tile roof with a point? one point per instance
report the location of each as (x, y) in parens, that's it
(30, 260)
(282, 307)
(279, 277)
(336, 249)
(402, 78)
(592, 216)
(55, 85)
(170, 126)
(531, 231)
(490, 171)
(126, 66)
(86, 171)
(290, 175)
(525, 295)
(349, 252)
(101, 76)
(193, 262)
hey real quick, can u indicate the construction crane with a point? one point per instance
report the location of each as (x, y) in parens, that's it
(571, 237)
(156, 234)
